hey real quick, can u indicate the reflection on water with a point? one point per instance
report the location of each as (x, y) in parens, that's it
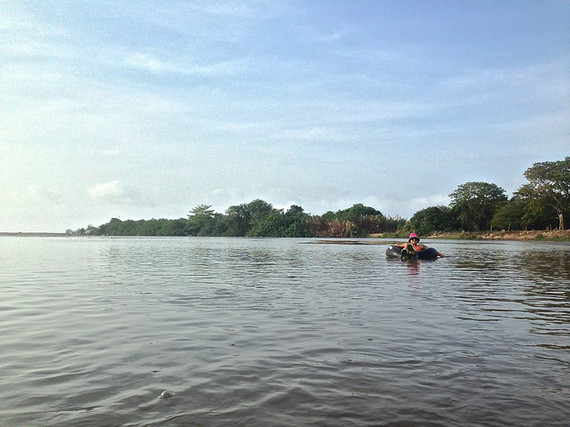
(281, 332)
(533, 281)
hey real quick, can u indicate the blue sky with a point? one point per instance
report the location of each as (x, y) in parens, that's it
(147, 109)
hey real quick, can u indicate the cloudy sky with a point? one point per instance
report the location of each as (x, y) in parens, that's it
(146, 109)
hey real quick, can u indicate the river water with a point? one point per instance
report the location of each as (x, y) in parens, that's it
(282, 332)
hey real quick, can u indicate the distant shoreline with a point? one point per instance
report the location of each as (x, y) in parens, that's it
(541, 235)
(544, 235)
(34, 234)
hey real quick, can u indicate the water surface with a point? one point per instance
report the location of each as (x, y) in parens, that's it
(282, 332)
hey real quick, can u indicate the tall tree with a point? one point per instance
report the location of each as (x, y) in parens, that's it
(201, 220)
(476, 203)
(549, 184)
(236, 221)
(296, 222)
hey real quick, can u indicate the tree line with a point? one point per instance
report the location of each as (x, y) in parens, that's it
(257, 219)
(540, 203)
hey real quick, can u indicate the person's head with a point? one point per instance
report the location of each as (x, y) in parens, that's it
(413, 236)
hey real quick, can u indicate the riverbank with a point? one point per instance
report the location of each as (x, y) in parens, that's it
(32, 234)
(547, 235)
(554, 235)
(508, 235)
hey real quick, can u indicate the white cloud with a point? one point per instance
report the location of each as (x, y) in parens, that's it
(154, 64)
(174, 104)
(112, 190)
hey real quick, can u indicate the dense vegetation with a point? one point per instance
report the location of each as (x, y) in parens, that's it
(475, 206)
(257, 219)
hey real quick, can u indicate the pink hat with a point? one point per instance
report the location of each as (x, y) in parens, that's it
(413, 236)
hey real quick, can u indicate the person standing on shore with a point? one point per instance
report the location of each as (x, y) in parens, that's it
(413, 246)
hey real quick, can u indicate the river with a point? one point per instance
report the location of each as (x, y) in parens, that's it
(282, 332)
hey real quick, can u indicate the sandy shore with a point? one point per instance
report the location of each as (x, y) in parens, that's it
(499, 235)
(512, 235)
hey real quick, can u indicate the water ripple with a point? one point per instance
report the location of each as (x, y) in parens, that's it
(278, 332)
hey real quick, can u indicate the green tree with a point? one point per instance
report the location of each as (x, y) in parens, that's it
(476, 203)
(296, 222)
(270, 225)
(355, 212)
(258, 210)
(537, 216)
(177, 227)
(356, 221)
(510, 215)
(328, 216)
(236, 221)
(240, 219)
(269, 222)
(201, 221)
(434, 218)
(151, 227)
(548, 185)
(112, 228)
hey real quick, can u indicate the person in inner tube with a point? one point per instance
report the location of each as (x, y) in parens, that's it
(414, 242)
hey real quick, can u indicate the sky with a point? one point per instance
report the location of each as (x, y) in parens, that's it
(147, 109)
